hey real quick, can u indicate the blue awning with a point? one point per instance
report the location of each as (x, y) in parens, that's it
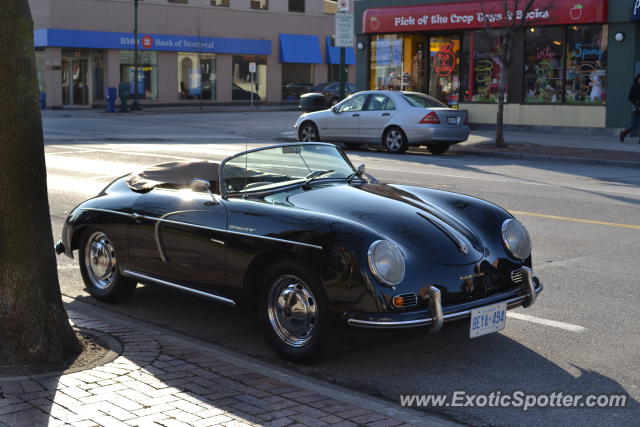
(333, 54)
(300, 48)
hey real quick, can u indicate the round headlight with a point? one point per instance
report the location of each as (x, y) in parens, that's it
(516, 239)
(386, 262)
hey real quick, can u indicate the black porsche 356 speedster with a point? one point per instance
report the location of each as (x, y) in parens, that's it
(310, 239)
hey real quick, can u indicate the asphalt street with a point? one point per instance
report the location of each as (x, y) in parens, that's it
(581, 336)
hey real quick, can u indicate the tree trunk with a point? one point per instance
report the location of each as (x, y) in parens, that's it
(34, 328)
(502, 88)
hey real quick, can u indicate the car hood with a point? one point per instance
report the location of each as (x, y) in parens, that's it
(429, 230)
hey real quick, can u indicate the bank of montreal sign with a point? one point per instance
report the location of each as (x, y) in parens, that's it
(163, 42)
(635, 13)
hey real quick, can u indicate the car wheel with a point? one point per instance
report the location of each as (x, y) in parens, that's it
(333, 101)
(308, 132)
(438, 148)
(395, 141)
(295, 312)
(99, 268)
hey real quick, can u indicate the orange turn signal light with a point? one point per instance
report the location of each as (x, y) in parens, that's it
(398, 301)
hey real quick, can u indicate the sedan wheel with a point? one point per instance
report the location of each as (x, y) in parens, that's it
(295, 313)
(395, 141)
(308, 133)
(99, 268)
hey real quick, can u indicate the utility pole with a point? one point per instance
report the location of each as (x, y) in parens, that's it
(135, 105)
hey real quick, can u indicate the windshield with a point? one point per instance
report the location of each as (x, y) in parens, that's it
(275, 167)
(424, 101)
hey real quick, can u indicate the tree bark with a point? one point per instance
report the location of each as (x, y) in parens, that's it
(34, 327)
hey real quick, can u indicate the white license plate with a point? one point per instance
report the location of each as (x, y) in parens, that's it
(489, 319)
(452, 120)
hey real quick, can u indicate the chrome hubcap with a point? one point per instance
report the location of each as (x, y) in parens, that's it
(394, 140)
(292, 310)
(100, 260)
(308, 133)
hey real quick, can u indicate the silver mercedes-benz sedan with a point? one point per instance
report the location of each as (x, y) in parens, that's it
(396, 119)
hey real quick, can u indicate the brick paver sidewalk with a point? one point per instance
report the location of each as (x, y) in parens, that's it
(158, 381)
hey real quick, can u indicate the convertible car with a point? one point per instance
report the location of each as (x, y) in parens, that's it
(309, 239)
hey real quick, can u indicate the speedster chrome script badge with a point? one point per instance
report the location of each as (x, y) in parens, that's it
(471, 276)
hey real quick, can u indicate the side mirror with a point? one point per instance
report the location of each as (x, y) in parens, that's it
(200, 185)
(360, 169)
(334, 109)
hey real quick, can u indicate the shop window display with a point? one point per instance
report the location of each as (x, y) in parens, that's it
(147, 73)
(196, 76)
(482, 66)
(586, 71)
(241, 86)
(543, 70)
(386, 62)
(444, 75)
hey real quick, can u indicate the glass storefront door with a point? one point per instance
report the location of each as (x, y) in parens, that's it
(444, 69)
(75, 87)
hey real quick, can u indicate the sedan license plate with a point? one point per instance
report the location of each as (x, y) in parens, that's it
(452, 120)
(489, 319)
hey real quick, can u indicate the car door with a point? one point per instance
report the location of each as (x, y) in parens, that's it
(179, 236)
(374, 119)
(343, 124)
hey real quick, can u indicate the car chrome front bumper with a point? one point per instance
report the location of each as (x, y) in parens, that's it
(530, 288)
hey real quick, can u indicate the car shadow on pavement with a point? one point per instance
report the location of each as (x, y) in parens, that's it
(391, 364)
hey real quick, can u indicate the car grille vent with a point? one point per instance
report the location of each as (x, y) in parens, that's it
(409, 300)
(518, 277)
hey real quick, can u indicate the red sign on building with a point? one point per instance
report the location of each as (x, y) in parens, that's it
(480, 14)
(147, 42)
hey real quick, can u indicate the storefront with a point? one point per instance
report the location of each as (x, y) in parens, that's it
(75, 67)
(560, 75)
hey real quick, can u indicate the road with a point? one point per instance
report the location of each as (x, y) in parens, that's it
(581, 336)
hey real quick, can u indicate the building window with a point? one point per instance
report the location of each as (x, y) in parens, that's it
(40, 69)
(97, 68)
(329, 7)
(221, 3)
(296, 80)
(586, 71)
(196, 76)
(544, 63)
(260, 4)
(147, 73)
(482, 66)
(296, 6)
(242, 87)
(386, 62)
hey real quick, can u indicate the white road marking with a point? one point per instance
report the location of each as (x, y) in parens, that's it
(547, 322)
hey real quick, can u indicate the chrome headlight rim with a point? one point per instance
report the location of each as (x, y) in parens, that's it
(512, 251)
(373, 268)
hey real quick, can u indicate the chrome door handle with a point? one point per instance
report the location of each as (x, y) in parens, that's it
(386, 114)
(356, 115)
(136, 217)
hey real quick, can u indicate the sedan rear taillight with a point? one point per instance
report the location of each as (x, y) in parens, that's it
(431, 119)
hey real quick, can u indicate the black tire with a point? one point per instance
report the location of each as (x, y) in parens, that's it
(438, 148)
(308, 132)
(294, 312)
(394, 140)
(352, 145)
(99, 268)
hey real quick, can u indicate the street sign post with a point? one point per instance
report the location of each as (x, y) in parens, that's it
(343, 38)
(252, 70)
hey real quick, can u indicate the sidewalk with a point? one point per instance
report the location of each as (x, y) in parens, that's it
(596, 150)
(159, 378)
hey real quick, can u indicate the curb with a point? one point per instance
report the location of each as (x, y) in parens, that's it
(392, 410)
(541, 157)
